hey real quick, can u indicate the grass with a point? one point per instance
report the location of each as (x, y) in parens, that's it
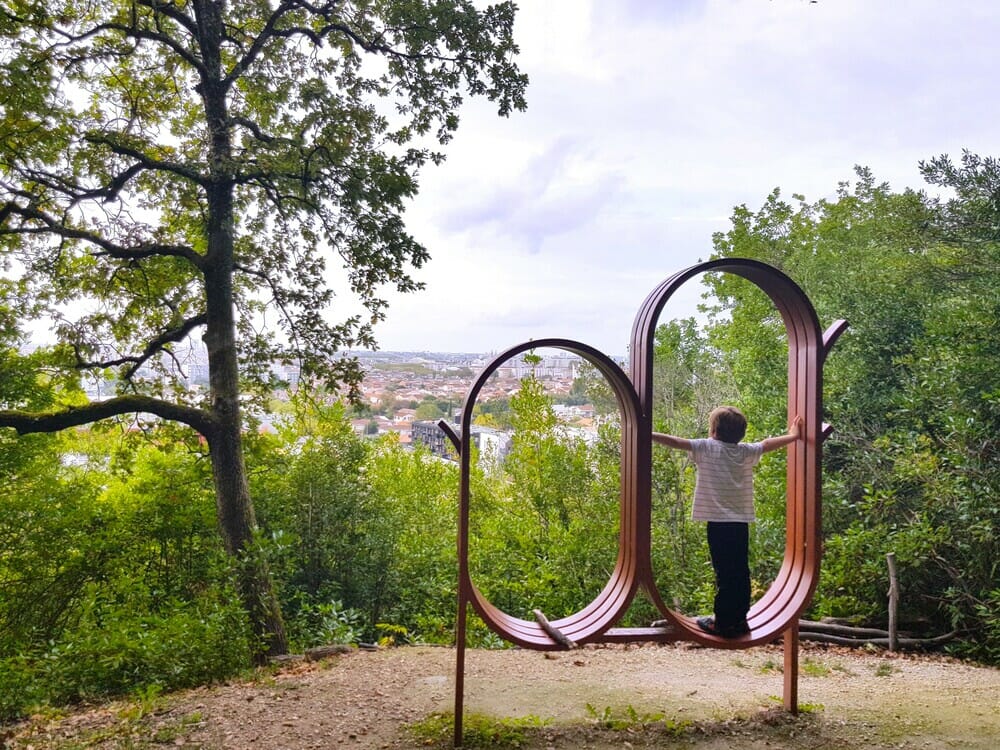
(810, 668)
(478, 731)
(630, 720)
(772, 665)
(884, 669)
(614, 727)
(167, 734)
(807, 667)
(133, 728)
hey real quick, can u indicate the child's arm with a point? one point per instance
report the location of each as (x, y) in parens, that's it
(773, 443)
(672, 441)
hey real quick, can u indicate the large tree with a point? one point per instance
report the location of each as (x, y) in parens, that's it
(170, 168)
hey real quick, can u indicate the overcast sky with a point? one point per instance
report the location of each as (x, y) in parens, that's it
(647, 122)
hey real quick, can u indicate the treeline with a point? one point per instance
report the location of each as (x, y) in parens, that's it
(113, 578)
(912, 390)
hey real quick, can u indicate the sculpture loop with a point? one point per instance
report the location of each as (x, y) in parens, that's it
(778, 610)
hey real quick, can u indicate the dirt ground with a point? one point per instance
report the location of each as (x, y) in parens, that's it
(675, 696)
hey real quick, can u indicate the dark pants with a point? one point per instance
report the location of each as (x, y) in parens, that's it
(729, 546)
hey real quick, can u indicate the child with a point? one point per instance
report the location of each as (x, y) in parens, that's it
(723, 496)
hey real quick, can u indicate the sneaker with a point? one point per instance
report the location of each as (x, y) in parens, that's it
(734, 631)
(661, 624)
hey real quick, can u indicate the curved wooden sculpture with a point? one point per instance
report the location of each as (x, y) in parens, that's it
(776, 612)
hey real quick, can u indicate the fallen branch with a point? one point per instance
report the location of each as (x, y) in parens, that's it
(848, 631)
(323, 652)
(553, 632)
(911, 643)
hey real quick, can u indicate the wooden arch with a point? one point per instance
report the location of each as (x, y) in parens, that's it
(777, 612)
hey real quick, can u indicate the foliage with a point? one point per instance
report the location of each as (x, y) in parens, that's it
(544, 533)
(423, 493)
(112, 578)
(910, 391)
(478, 730)
(354, 531)
(136, 132)
(495, 413)
(323, 624)
(50, 550)
(113, 650)
(199, 167)
(688, 382)
(631, 721)
(428, 411)
(66, 528)
(322, 523)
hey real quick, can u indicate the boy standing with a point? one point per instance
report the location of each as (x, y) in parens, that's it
(723, 496)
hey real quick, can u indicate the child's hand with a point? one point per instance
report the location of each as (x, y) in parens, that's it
(796, 427)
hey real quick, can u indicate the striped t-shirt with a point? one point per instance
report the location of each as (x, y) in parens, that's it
(723, 489)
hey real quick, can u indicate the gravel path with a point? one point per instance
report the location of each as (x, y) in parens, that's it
(700, 698)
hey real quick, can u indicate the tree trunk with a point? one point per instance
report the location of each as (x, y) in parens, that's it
(237, 522)
(237, 525)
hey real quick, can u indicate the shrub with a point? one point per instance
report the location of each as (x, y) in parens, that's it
(118, 650)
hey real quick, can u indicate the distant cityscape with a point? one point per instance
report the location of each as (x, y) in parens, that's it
(396, 383)
(408, 377)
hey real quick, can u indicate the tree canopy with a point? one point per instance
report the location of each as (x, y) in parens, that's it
(178, 168)
(911, 390)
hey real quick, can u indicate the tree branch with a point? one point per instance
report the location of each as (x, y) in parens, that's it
(259, 42)
(135, 32)
(277, 296)
(170, 10)
(147, 161)
(254, 129)
(110, 191)
(153, 347)
(368, 45)
(107, 248)
(315, 36)
(31, 422)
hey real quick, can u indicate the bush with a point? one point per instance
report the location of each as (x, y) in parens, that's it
(114, 651)
(323, 624)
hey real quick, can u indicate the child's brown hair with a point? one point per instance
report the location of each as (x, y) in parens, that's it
(728, 424)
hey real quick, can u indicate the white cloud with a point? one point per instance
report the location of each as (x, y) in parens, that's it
(648, 122)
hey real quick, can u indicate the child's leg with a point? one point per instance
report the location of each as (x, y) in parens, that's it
(729, 546)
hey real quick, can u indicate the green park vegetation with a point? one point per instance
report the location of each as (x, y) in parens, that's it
(178, 169)
(177, 172)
